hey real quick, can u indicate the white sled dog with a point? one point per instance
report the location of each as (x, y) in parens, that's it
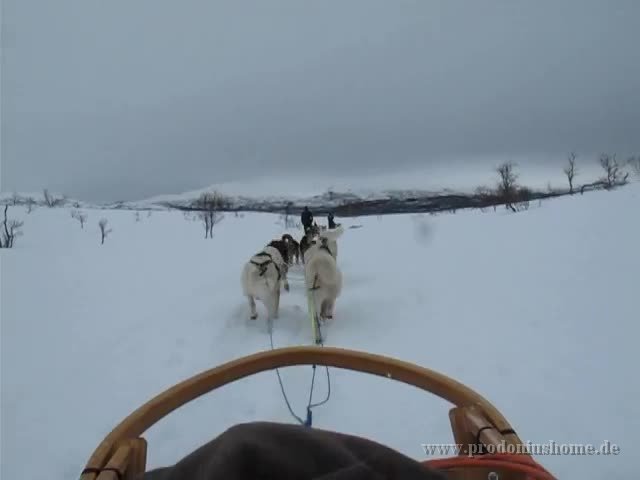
(263, 276)
(331, 236)
(322, 275)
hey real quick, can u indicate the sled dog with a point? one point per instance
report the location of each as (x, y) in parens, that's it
(293, 248)
(332, 236)
(264, 275)
(323, 278)
(329, 237)
(305, 241)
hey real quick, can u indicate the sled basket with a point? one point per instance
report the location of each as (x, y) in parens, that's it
(475, 422)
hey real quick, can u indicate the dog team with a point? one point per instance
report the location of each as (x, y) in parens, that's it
(265, 274)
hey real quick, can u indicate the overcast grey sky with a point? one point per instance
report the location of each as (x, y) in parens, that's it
(121, 99)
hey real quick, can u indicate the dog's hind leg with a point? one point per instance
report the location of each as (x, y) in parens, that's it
(272, 303)
(330, 308)
(323, 310)
(252, 306)
(318, 304)
(327, 309)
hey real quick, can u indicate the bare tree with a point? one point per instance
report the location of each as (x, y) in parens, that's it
(48, 200)
(103, 230)
(80, 216)
(570, 170)
(613, 173)
(507, 186)
(31, 204)
(51, 200)
(209, 205)
(15, 199)
(10, 230)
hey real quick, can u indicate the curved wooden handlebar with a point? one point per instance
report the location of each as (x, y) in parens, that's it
(173, 398)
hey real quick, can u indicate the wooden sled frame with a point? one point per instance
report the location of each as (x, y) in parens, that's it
(475, 422)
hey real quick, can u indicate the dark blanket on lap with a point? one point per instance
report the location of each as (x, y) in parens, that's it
(265, 450)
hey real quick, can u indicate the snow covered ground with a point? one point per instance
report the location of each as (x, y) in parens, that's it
(90, 331)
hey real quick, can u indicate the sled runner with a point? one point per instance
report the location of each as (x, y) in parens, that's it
(475, 422)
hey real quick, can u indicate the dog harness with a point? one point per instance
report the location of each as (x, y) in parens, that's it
(264, 265)
(324, 246)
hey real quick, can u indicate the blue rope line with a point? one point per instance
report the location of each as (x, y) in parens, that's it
(309, 420)
(280, 379)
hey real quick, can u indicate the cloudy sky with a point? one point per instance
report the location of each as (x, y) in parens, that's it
(121, 99)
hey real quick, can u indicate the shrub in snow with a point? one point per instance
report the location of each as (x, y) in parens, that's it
(80, 216)
(10, 230)
(209, 206)
(51, 200)
(103, 229)
(570, 170)
(613, 173)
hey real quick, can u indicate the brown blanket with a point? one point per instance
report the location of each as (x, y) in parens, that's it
(265, 450)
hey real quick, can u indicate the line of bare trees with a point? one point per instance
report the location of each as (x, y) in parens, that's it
(209, 207)
(49, 200)
(614, 172)
(515, 197)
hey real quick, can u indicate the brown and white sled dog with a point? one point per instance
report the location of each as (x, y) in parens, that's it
(293, 248)
(322, 276)
(264, 275)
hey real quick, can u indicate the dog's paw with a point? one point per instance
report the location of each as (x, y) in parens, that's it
(254, 317)
(286, 286)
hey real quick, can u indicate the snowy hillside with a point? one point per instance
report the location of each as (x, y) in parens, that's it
(91, 331)
(321, 191)
(324, 191)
